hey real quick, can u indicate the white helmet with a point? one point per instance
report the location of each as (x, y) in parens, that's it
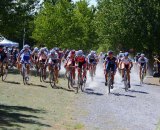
(36, 49)
(52, 51)
(26, 46)
(42, 50)
(80, 52)
(142, 55)
(92, 53)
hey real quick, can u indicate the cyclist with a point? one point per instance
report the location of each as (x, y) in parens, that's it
(137, 57)
(70, 61)
(92, 61)
(110, 63)
(14, 54)
(35, 54)
(126, 63)
(142, 62)
(53, 59)
(100, 57)
(3, 56)
(119, 58)
(25, 57)
(60, 56)
(82, 64)
(42, 59)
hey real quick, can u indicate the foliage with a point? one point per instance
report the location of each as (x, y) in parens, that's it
(65, 25)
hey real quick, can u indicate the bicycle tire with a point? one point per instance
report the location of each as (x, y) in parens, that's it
(40, 74)
(4, 75)
(109, 85)
(23, 75)
(52, 79)
(125, 82)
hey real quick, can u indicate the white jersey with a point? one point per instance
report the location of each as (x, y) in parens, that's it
(126, 61)
(53, 57)
(142, 60)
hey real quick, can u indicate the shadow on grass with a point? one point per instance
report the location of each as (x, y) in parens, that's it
(12, 82)
(37, 85)
(69, 90)
(11, 116)
(125, 95)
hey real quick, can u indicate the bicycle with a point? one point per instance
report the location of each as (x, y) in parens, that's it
(70, 77)
(91, 71)
(52, 78)
(41, 71)
(24, 73)
(81, 81)
(142, 75)
(3, 71)
(125, 79)
(110, 81)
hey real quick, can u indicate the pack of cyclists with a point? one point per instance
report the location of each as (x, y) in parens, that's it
(77, 60)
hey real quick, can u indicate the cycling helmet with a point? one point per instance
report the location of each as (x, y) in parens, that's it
(56, 49)
(142, 55)
(80, 52)
(126, 54)
(138, 54)
(26, 46)
(110, 52)
(92, 53)
(52, 51)
(42, 50)
(72, 52)
(36, 49)
(121, 55)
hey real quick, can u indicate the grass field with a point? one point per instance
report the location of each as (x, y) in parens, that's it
(36, 106)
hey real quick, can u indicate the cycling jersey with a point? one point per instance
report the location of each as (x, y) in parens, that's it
(111, 63)
(126, 63)
(3, 55)
(142, 61)
(53, 58)
(81, 61)
(91, 59)
(25, 55)
(42, 56)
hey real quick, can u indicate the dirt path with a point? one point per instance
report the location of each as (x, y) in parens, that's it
(137, 109)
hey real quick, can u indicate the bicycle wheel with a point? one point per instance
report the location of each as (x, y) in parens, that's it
(4, 73)
(52, 79)
(125, 83)
(41, 75)
(23, 75)
(142, 76)
(109, 84)
(69, 80)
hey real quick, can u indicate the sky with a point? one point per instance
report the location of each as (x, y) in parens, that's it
(91, 2)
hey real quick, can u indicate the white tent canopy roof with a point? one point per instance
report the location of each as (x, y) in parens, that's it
(8, 43)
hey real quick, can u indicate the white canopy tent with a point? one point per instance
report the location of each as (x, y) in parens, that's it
(8, 43)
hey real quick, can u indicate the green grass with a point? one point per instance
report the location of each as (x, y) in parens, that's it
(37, 106)
(78, 126)
(158, 126)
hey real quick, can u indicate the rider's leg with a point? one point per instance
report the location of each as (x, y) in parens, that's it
(28, 69)
(140, 71)
(56, 73)
(128, 75)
